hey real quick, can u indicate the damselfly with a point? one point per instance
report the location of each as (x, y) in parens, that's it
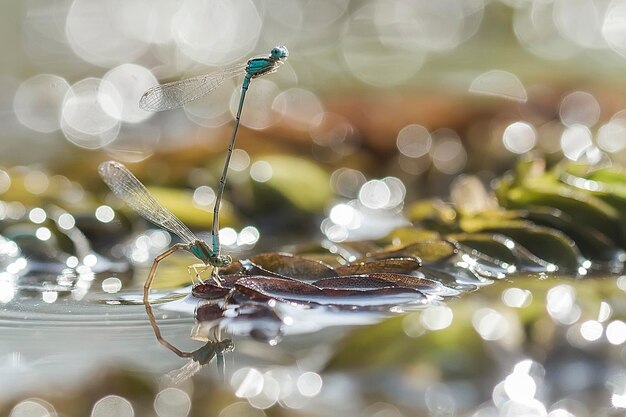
(128, 188)
(178, 93)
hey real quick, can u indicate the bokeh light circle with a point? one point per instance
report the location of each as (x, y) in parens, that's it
(611, 136)
(172, 402)
(129, 82)
(33, 407)
(301, 108)
(575, 140)
(395, 61)
(580, 108)
(448, 154)
(614, 26)
(499, 83)
(262, 94)
(519, 137)
(414, 141)
(38, 100)
(112, 406)
(84, 120)
(214, 110)
(97, 31)
(581, 21)
(216, 32)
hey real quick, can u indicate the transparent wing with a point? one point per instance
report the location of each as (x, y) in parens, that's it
(127, 187)
(178, 93)
(178, 376)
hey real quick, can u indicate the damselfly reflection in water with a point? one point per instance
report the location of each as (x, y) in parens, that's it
(127, 187)
(215, 347)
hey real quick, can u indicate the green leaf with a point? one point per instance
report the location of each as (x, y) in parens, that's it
(180, 203)
(303, 183)
(581, 206)
(546, 243)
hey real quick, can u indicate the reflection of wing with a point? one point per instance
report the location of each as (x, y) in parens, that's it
(178, 93)
(127, 187)
(182, 374)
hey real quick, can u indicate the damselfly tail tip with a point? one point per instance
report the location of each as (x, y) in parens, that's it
(144, 101)
(105, 168)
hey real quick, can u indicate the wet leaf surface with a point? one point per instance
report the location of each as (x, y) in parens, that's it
(582, 206)
(391, 265)
(502, 248)
(592, 243)
(426, 250)
(355, 282)
(210, 290)
(545, 243)
(380, 280)
(288, 265)
(285, 290)
(406, 235)
(493, 245)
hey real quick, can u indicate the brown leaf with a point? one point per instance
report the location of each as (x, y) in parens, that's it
(423, 284)
(426, 250)
(359, 282)
(234, 268)
(292, 291)
(359, 249)
(280, 265)
(383, 280)
(209, 290)
(391, 265)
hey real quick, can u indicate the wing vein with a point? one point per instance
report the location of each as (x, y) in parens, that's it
(178, 93)
(128, 188)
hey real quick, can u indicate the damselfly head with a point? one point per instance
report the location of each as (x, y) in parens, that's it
(279, 52)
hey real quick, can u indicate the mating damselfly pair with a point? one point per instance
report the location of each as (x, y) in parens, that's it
(128, 188)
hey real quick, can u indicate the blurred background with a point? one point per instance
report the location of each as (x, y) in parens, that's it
(381, 102)
(414, 91)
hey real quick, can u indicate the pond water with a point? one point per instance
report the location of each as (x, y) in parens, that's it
(493, 343)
